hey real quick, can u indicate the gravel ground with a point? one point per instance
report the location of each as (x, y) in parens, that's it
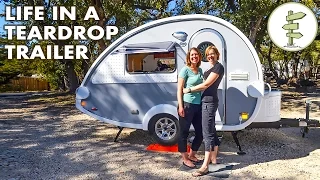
(46, 137)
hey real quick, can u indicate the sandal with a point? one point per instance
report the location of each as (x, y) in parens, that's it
(197, 162)
(200, 173)
(190, 167)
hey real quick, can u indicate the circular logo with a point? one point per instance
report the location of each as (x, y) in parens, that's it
(292, 26)
(202, 48)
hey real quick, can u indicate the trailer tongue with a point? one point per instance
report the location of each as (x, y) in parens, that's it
(303, 123)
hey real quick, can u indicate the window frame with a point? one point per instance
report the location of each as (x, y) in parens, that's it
(174, 50)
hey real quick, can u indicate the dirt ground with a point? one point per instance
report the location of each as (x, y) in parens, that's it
(46, 137)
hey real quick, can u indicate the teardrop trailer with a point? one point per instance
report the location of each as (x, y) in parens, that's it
(133, 83)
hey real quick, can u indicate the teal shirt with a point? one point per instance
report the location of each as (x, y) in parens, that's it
(191, 80)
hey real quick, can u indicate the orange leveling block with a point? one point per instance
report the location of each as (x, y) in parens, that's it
(162, 148)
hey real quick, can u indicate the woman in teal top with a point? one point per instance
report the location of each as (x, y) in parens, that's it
(189, 107)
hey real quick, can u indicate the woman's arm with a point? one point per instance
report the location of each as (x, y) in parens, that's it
(200, 87)
(180, 96)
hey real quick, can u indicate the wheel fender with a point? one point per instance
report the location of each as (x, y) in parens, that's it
(158, 109)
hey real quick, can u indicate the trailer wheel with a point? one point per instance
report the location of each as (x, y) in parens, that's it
(164, 128)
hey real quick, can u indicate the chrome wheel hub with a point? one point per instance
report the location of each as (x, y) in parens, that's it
(165, 128)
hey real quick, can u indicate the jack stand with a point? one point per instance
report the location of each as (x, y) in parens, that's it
(120, 129)
(235, 138)
(304, 126)
(304, 131)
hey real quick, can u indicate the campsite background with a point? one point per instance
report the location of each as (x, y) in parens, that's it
(294, 69)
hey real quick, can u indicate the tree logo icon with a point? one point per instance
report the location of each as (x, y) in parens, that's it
(292, 26)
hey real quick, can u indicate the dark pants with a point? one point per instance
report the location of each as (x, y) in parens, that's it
(192, 115)
(209, 126)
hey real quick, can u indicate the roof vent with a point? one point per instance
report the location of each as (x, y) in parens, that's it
(239, 76)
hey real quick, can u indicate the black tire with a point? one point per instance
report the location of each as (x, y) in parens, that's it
(170, 131)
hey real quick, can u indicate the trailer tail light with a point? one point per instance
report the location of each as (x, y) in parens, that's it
(83, 103)
(244, 116)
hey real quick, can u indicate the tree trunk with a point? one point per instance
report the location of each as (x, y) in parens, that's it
(72, 80)
(254, 30)
(282, 69)
(285, 58)
(85, 65)
(296, 63)
(61, 84)
(102, 19)
(65, 83)
(272, 69)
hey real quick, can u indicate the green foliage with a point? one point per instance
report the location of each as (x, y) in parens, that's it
(10, 68)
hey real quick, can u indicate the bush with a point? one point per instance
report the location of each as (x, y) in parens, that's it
(10, 88)
(306, 82)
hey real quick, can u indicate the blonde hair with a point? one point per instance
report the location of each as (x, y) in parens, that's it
(188, 57)
(216, 51)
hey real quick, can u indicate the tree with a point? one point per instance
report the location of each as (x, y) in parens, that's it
(10, 68)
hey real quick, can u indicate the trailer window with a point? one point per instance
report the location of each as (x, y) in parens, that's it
(155, 62)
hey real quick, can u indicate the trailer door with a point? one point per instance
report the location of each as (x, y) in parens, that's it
(202, 39)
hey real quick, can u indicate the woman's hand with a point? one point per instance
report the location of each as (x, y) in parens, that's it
(185, 90)
(181, 111)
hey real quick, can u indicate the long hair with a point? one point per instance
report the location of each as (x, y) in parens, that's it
(216, 51)
(188, 57)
